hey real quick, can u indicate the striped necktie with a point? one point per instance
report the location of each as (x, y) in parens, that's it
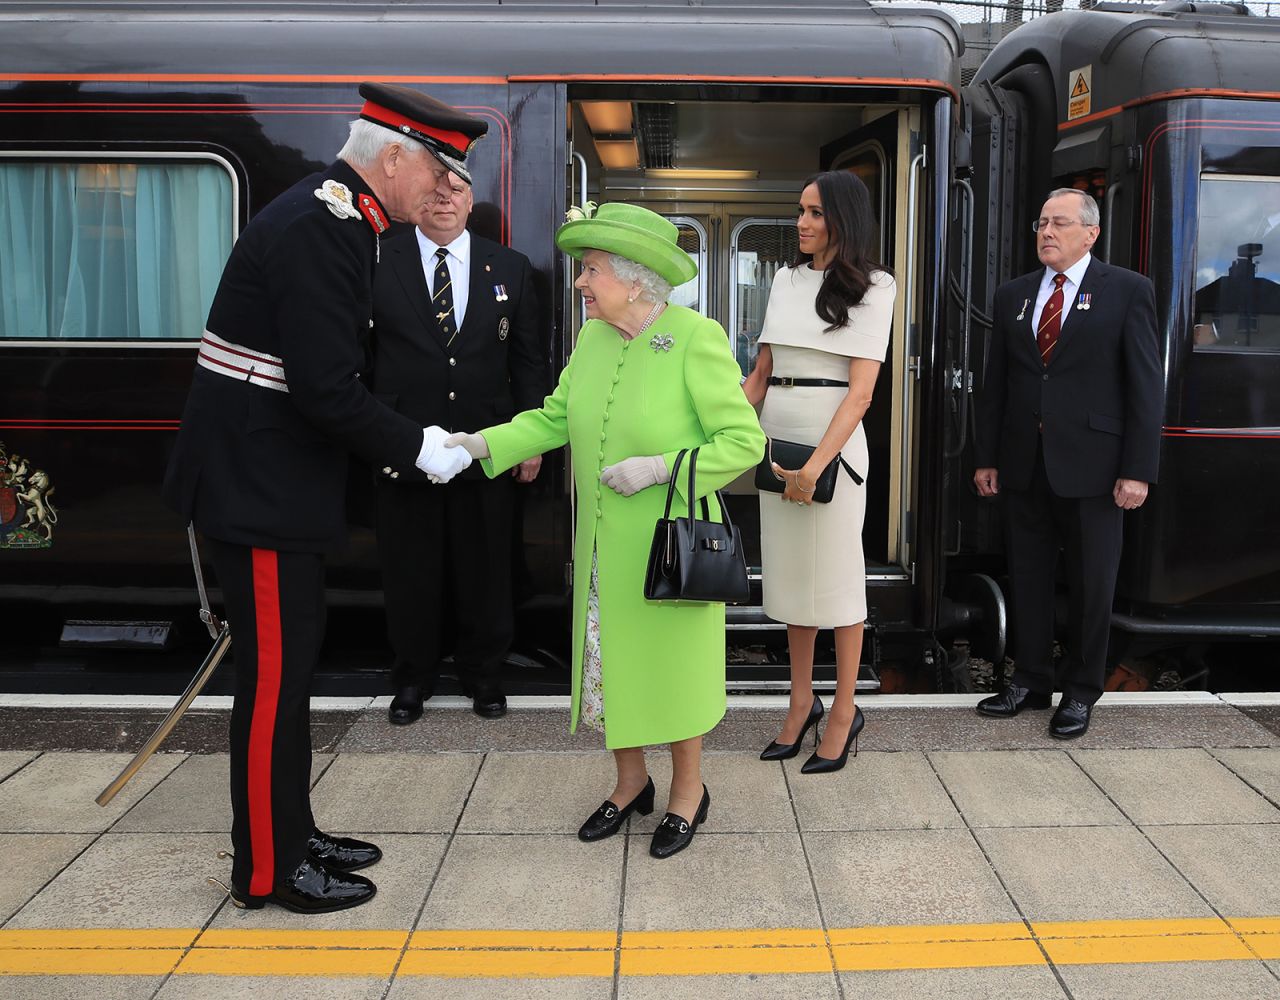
(1051, 320)
(442, 298)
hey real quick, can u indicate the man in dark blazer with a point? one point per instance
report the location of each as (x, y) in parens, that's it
(456, 342)
(259, 467)
(1069, 423)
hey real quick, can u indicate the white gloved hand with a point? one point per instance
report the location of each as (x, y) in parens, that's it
(632, 475)
(438, 461)
(473, 444)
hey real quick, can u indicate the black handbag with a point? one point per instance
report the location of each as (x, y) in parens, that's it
(790, 455)
(692, 559)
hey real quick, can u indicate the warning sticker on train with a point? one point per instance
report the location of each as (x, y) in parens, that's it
(27, 514)
(1080, 94)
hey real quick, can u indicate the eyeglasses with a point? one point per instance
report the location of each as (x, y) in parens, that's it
(1056, 222)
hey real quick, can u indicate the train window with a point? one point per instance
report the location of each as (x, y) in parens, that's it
(758, 248)
(692, 239)
(111, 250)
(1237, 299)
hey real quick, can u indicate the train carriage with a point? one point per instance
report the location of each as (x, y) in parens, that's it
(138, 137)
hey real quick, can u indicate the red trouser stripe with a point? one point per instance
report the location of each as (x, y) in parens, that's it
(266, 599)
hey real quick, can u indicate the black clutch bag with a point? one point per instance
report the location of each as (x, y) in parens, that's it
(790, 455)
(695, 559)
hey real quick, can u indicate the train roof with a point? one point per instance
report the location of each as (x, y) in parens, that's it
(706, 40)
(1135, 53)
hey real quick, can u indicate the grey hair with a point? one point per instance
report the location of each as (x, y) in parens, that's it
(1088, 205)
(653, 287)
(367, 140)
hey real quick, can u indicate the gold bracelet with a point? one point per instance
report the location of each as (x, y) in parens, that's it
(801, 488)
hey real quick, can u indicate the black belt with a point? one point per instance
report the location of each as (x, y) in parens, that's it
(787, 382)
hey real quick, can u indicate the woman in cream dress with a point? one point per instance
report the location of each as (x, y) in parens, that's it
(826, 333)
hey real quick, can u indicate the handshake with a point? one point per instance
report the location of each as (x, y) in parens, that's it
(444, 455)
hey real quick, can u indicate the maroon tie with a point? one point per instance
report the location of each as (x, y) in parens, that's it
(1051, 320)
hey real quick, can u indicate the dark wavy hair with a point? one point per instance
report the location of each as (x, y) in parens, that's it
(846, 207)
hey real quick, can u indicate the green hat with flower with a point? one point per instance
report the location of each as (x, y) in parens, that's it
(631, 232)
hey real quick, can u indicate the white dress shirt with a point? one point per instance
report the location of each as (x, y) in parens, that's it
(1075, 275)
(458, 260)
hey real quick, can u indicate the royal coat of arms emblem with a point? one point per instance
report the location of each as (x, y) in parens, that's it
(27, 513)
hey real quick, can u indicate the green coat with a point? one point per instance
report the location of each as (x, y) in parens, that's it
(662, 663)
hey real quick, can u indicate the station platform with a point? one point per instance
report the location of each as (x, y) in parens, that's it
(954, 857)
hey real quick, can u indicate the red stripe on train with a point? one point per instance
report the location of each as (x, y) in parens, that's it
(266, 601)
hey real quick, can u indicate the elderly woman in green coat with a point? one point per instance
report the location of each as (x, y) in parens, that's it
(645, 380)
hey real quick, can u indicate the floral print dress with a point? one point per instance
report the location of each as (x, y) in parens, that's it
(591, 712)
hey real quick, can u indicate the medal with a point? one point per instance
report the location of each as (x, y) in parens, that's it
(504, 327)
(500, 293)
(1083, 302)
(1023, 313)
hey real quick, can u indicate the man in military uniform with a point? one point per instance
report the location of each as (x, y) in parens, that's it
(260, 465)
(456, 343)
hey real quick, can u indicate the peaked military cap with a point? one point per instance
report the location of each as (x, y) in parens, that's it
(447, 132)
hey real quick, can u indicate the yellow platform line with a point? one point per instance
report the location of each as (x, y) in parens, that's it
(527, 954)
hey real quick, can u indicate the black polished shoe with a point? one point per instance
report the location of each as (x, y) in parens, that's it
(312, 888)
(675, 833)
(1070, 720)
(825, 765)
(406, 706)
(342, 854)
(608, 819)
(1011, 701)
(785, 751)
(489, 705)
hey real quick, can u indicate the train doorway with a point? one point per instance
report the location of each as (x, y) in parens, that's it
(729, 173)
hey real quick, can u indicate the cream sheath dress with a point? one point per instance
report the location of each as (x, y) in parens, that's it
(812, 564)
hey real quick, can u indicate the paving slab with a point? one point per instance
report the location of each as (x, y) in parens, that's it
(195, 797)
(1023, 788)
(1089, 873)
(132, 880)
(12, 761)
(409, 862)
(55, 794)
(272, 988)
(1018, 983)
(1224, 980)
(1258, 768)
(876, 878)
(80, 987)
(748, 795)
(541, 882)
(537, 793)
(1267, 716)
(433, 988)
(31, 860)
(1236, 867)
(396, 793)
(1175, 786)
(729, 987)
(722, 880)
(875, 791)
(462, 731)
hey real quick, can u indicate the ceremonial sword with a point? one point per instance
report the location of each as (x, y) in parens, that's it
(220, 632)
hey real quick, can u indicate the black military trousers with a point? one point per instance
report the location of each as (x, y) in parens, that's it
(1088, 531)
(275, 604)
(447, 548)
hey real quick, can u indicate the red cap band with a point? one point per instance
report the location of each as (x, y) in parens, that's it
(393, 119)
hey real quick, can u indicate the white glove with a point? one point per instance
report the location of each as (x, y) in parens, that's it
(632, 475)
(473, 444)
(439, 462)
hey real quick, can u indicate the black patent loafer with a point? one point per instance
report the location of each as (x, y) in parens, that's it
(406, 706)
(608, 819)
(675, 833)
(490, 705)
(344, 854)
(312, 888)
(1070, 720)
(1011, 701)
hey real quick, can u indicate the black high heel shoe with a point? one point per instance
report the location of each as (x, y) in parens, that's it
(675, 833)
(785, 751)
(825, 765)
(608, 819)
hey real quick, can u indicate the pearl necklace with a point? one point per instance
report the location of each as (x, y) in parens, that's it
(648, 320)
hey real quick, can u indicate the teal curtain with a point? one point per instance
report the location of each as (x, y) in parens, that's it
(111, 251)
